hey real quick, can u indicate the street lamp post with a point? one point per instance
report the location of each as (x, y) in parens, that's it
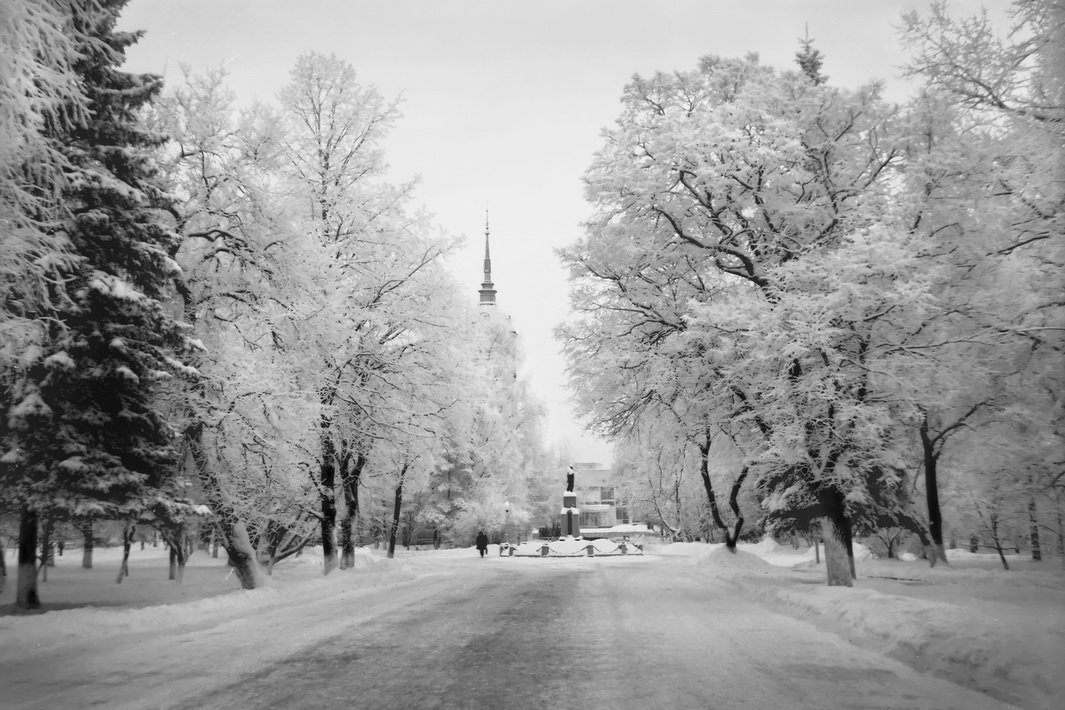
(506, 524)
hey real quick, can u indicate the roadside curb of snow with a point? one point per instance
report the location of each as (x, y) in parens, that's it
(945, 639)
(41, 632)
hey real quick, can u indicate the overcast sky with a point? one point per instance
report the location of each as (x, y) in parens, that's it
(504, 102)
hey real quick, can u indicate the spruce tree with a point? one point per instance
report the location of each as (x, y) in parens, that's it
(83, 435)
(810, 60)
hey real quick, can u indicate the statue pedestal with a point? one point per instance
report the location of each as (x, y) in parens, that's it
(570, 516)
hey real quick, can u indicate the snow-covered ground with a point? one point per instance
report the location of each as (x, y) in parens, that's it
(973, 622)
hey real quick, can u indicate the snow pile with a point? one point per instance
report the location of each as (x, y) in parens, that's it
(678, 549)
(1002, 632)
(738, 562)
(765, 546)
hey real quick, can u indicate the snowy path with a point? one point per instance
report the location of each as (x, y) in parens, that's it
(493, 633)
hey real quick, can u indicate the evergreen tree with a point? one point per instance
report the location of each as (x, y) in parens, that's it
(810, 60)
(83, 436)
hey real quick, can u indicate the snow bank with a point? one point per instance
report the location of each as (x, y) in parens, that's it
(295, 578)
(765, 546)
(739, 562)
(1002, 632)
(1008, 659)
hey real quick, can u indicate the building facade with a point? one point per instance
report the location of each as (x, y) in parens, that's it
(602, 509)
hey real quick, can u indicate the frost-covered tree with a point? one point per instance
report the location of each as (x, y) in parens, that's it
(83, 434)
(986, 196)
(721, 186)
(659, 475)
(240, 288)
(494, 446)
(332, 135)
(370, 302)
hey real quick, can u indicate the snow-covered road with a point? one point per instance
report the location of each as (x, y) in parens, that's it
(494, 633)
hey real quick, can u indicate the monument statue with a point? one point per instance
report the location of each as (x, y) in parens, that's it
(570, 518)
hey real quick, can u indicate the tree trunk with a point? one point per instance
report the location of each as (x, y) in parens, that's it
(931, 487)
(230, 527)
(835, 531)
(393, 529)
(127, 545)
(242, 555)
(732, 533)
(87, 545)
(26, 595)
(1061, 530)
(837, 563)
(177, 563)
(46, 548)
(347, 547)
(178, 554)
(349, 483)
(733, 504)
(993, 525)
(932, 553)
(327, 493)
(1033, 528)
(48, 543)
(3, 565)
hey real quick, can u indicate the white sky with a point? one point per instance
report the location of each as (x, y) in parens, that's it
(504, 103)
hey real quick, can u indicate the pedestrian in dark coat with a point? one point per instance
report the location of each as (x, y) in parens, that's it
(482, 543)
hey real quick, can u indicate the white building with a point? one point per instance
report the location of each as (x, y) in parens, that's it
(603, 512)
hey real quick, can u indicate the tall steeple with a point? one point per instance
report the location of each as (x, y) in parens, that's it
(488, 292)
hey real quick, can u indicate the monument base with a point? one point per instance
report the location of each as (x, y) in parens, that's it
(570, 516)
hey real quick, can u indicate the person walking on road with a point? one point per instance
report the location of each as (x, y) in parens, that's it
(482, 543)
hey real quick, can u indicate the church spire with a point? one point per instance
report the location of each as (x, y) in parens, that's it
(488, 292)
